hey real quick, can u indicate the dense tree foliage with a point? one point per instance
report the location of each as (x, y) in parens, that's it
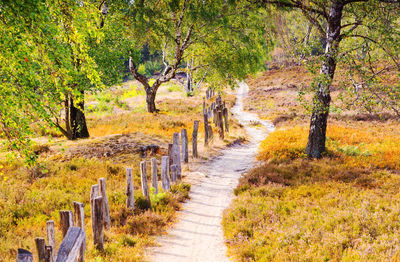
(223, 38)
(52, 52)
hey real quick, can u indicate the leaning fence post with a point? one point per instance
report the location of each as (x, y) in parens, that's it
(143, 174)
(70, 246)
(79, 220)
(97, 221)
(185, 147)
(154, 177)
(41, 249)
(102, 185)
(165, 179)
(24, 255)
(51, 238)
(66, 221)
(177, 155)
(130, 199)
(194, 138)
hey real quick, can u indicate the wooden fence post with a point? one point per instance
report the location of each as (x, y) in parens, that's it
(194, 138)
(94, 192)
(79, 220)
(41, 249)
(97, 221)
(66, 221)
(171, 153)
(204, 105)
(143, 173)
(226, 119)
(177, 155)
(174, 173)
(71, 245)
(220, 124)
(185, 146)
(165, 179)
(130, 198)
(51, 237)
(205, 130)
(154, 177)
(49, 253)
(106, 213)
(24, 255)
(210, 132)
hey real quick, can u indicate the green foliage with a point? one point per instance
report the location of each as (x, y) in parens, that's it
(52, 50)
(226, 39)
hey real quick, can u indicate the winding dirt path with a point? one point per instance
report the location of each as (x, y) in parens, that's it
(198, 236)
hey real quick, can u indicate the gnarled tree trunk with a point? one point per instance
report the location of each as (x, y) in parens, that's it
(322, 98)
(75, 120)
(151, 100)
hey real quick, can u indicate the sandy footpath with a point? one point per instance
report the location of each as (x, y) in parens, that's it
(197, 235)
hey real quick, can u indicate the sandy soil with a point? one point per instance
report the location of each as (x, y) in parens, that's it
(198, 236)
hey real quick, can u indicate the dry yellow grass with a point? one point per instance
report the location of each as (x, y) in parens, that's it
(28, 198)
(344, 207)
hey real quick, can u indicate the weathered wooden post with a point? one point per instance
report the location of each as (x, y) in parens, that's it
(210, 132)
(177, 154)
(174, 173)
(143, 174)
(41, 249)
(106, 211)
(51, 236)
(185, 145)
(171, 154)
(130, 199)
(97, 221)
(194, 138)
(66, 221)
(94, 192)
(205, 130)
(50, 254)
(154, 177)
(24, 255)
(215, 116)
(226, 119)
(165, 178)
(220, 124)
(79, 220)
(71, 245)
(204, 105)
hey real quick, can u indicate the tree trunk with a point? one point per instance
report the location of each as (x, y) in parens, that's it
(77, 119)
(151, 101)
(322, 98)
